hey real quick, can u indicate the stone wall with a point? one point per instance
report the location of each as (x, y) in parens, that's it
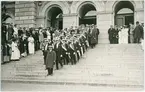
(70, 20)
(25, 13)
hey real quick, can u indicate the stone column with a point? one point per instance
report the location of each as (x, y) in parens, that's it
(25, 13)
(104, 20)
(70, 20)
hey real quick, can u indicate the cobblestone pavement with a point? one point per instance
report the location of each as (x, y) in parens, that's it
(106, 66)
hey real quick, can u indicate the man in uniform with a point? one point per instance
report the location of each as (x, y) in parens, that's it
(58, 49)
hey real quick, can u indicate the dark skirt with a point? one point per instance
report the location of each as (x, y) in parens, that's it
(6, 53)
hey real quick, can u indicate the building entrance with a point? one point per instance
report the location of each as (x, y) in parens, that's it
(124, 13)
(87, 14)
(54, 18)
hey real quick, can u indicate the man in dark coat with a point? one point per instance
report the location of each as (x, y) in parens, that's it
(138, 32)
(98, 32)
(50, 60)
(36, 40)
(45, 44)
(58, 49)
(20, 32)
(3, 33)
(51, 33)
(64, 53)
(115, 35)
(71, 51)
(89, 35)
(10, 32)
(93, 37)
(110, 32)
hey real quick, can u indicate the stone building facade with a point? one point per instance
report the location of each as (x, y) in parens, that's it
(42, 13)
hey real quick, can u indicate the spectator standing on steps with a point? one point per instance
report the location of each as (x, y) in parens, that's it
(110, 33)
(138, 32)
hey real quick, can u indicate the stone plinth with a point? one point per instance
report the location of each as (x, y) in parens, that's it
(25, 12)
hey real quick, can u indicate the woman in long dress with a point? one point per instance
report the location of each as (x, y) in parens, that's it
(41, 38)
(125, 35)
(123, 38)
(119, 33)
(15, 51)
(31, 45)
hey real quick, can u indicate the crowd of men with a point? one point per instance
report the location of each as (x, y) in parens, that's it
(67, 45)
(135, 33)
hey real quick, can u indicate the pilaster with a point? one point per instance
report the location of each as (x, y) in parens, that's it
(104, 20)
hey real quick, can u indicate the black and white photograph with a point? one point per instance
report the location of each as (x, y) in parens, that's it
(95, 45)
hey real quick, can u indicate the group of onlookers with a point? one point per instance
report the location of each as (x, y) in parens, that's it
(68, 46)
(130, 34)
(17, 43)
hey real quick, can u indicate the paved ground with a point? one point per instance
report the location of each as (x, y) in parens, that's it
(106, 65)
(67, 88)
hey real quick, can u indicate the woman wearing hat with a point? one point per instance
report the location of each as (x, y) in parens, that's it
(50, 59)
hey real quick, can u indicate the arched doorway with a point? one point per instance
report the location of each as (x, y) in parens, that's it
(54, 17)
(87, 14)
(124, 13)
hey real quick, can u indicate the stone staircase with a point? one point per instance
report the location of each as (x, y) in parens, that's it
(106, 65)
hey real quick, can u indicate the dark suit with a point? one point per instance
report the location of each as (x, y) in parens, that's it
(10, 33)
(138, 33)
(50, 58)
(116, 36)
(66, 54)
(71, 53)
(97, 34)
(111, 32)
(93, 37)
(77, 49)
(58, 49)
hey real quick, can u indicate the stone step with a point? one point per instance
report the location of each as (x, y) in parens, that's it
(118, 64)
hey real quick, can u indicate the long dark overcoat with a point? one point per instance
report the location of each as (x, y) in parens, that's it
(138, 31)
(50, 58)
(93, 36)
(110, 32)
